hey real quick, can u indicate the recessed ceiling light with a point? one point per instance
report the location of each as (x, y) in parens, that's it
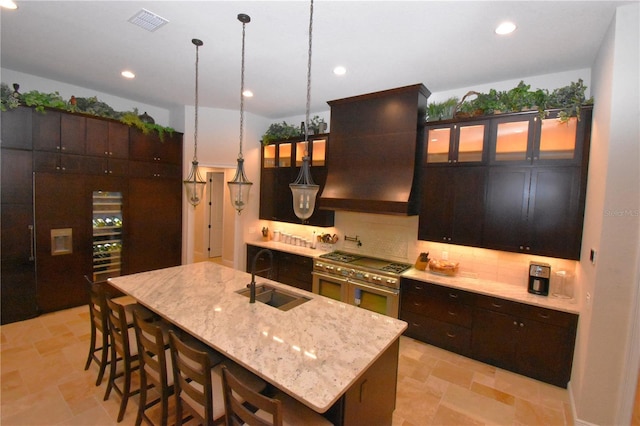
(340, 70)
(505, 28)
(8, 4)
(247, 94)
(148, 20)
(128, 74)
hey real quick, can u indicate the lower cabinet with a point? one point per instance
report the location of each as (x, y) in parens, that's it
(438, 315)
(532, 341)
(526, 339)
(290, 269)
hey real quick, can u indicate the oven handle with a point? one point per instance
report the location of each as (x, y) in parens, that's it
(384, 289)
(330, 277)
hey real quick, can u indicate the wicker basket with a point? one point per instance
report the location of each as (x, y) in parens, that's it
(443, 267)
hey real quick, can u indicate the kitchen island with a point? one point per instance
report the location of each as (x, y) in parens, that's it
(337, 359)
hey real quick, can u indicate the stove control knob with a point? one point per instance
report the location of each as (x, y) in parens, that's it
(366, 277)
(329, 268)
(376, 278)
(391, 281)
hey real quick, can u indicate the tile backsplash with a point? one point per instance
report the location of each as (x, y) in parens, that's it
(395, 238)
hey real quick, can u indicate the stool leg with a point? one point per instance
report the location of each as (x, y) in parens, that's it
(92, 346)
(104, 360)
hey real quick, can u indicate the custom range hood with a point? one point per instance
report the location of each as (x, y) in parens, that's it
(373, 157)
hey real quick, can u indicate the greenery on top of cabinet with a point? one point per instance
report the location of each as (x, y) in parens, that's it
(11, 99)
(568, 99)
(280, 131)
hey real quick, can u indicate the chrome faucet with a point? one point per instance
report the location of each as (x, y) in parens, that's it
(252, 284)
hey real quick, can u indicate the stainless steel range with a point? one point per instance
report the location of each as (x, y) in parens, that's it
(368, 282)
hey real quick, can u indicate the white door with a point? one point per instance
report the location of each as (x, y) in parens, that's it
(216, 198)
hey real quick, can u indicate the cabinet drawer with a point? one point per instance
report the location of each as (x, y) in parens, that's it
(444, 335)
(449, 294)
(437, 308)
(499, 305)
(549, 316)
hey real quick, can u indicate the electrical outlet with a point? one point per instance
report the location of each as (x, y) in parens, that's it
(445, 255)
(588, 298)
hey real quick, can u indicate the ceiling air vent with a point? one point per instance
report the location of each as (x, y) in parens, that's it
(148, 20)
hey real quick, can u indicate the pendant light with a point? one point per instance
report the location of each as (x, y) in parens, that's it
(194, 184)
(240, 186)
(304, 190)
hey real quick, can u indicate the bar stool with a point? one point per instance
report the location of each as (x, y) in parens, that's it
(198, 386)
(124, 349)
(155, 366)
(262, 410)
(99, 323)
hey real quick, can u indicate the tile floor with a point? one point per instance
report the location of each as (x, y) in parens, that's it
(43, 383)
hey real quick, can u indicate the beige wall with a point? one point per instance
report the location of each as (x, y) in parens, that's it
(612, 226)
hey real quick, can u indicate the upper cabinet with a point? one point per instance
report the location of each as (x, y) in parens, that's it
(281, 163)
(528, 139)
(512, 182)
(455, 143)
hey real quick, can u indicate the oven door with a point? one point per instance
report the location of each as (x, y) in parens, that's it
(383, 300)
(330, 286)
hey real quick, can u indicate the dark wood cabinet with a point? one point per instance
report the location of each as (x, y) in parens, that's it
(16, 128)
(62, 202)
(535, 210)
(281, 162)
(107, 139)
(453, 205)
(437, 315)
(529, 340)
(150, 147)
(65, 158)
(154, 224)
(295, 270)
(524, 192)
(288, 268)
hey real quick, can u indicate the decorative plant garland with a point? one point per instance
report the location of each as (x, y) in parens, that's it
(11, 99)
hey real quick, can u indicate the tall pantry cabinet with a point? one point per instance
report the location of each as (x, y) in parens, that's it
(76, 202)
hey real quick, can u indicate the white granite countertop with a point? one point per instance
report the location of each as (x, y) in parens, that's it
(313, 352)
(495, 289)
(486, 287)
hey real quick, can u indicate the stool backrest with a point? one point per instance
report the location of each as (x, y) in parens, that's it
(192, 381)
(119, 329)
(237, 393)
(151, 351)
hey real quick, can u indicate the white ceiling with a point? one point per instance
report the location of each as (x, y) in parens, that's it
(383, 44)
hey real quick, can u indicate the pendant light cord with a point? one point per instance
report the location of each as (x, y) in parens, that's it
(198, 43)
(308, 107)
(242, 90)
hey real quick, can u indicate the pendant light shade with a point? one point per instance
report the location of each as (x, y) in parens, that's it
(240, 186)
(304, 190)
(194, 184)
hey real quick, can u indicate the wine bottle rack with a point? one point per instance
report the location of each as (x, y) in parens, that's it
(107, 235)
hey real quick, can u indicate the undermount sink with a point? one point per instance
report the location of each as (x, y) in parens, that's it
(275, 297)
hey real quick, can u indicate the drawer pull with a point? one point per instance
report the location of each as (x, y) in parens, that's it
(453, 295)
(417, 304)
(453, 314)
(415, 324)
(545, 316)
(496, 305)
(451, 335)
(417, 287)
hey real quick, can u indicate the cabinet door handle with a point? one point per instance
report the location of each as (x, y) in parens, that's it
(515, 323)
(521, 324)
(31, 255)
(496, 305)
(453, 314)
(545, 316)
(415, 324)
(453, 295)
(417, 287)
(450, 335)
(417, 304)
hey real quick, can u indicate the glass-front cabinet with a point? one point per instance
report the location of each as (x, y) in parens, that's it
(281, 163)
(107, 235)
(527, 138)
(456, 143)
